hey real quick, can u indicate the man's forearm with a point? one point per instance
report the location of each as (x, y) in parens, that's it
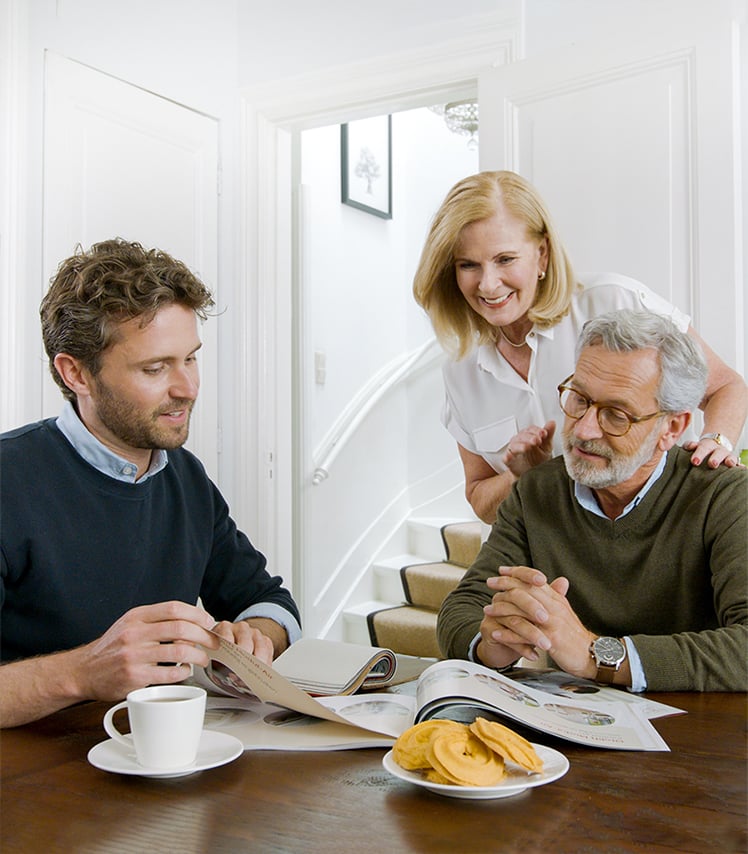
(36, 687)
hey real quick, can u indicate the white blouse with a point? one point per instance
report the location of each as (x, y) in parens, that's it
(487, 402)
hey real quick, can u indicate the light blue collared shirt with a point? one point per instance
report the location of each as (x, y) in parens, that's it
(586, 498)
(98, 455)
(107, 462)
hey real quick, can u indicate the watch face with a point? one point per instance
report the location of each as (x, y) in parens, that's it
(609, 650)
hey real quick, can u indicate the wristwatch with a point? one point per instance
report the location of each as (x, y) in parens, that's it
(609, 654)
(720, 439)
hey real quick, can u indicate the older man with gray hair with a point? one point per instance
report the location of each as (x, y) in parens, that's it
(621, 560)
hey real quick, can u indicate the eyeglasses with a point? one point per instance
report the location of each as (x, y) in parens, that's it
(612, 420)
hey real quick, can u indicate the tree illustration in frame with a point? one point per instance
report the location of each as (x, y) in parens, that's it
(366, 165)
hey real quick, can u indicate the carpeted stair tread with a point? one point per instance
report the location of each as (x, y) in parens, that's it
(405, 629)
(428, 584)
(462, 542)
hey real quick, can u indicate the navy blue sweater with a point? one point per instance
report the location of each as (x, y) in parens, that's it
(79, 549)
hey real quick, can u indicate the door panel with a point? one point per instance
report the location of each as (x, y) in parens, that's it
(633, 144)
(122, 162)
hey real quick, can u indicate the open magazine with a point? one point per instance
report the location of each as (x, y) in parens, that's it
(267, 711)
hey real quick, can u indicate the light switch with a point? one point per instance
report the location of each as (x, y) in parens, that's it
(320, 367)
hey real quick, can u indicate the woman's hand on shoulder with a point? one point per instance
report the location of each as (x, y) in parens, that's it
(713, 452)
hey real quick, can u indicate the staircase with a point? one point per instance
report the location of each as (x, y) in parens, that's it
(410, 588)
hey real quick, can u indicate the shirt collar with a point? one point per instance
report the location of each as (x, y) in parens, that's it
(98, 455)
(586, 496)
(489, 359)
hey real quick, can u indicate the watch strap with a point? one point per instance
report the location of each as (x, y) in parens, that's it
(606, 673)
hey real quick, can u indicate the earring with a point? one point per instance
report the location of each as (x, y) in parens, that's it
(541, 275)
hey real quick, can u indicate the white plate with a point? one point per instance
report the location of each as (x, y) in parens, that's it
(216, 748)
(555, 765)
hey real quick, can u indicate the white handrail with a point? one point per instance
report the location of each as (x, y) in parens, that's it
(362, 404)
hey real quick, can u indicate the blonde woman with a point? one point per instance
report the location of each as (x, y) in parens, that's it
(505, 302)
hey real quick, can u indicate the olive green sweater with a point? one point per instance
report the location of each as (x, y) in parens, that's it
(672, 574)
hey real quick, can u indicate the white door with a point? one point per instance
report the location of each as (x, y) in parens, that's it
(634, 146)
(122, 162)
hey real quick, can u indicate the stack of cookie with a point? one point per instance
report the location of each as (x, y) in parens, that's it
(464, 755)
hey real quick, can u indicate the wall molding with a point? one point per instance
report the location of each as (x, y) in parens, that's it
(13, 241)
(394, 82)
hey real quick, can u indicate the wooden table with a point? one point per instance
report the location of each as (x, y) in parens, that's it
(692, 799)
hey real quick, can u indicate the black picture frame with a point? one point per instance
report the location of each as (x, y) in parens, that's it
(366, 165)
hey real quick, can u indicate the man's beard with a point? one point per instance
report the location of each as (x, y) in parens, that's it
(137, 428)
(620, 466)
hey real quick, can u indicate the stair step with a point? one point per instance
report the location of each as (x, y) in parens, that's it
(439, 551)
(425, 537)
(388, 585)
(462, 542)
(407, 630)
(428, 584)
(355, 621)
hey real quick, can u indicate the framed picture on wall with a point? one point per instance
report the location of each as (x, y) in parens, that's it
(366, 165)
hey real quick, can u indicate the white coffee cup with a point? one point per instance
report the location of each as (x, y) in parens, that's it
(166, 722)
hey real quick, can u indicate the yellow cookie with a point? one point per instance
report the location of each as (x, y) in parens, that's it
(433, 776)
(507, 743)
(409, 751)
(465, 760)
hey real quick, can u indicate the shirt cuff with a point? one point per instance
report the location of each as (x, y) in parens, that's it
(638, 679)
(471, 649)
(471, 655)
(280, 615)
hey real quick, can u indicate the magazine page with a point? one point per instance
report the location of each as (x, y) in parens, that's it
(386, 713)
(264, 726)
(564, 685)
(252, 679)
(448, 686)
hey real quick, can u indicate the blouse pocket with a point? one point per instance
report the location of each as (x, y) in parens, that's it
(494, 437)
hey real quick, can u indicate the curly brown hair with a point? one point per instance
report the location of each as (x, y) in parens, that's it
(94, 291)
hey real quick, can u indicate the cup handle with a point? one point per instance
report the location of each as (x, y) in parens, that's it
(112, 730)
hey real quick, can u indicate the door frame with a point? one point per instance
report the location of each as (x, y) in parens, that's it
(274, 456)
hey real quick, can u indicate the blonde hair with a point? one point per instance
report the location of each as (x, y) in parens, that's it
(435, 289)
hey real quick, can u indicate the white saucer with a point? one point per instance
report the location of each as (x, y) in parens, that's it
(216, 748)
(555, 765)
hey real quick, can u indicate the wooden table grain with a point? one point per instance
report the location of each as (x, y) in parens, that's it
(691, 799)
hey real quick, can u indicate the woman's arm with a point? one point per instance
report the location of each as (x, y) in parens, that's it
(725, 407)
(485, 489)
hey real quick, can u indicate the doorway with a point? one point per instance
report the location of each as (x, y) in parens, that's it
(367, 431)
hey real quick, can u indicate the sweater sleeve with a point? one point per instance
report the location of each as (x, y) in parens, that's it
(462, 611)
(236, 577)
(712, 659)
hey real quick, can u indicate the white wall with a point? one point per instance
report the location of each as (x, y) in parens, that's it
(295, 37)
(359, 268)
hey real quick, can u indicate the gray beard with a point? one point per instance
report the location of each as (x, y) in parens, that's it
(620, 466)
